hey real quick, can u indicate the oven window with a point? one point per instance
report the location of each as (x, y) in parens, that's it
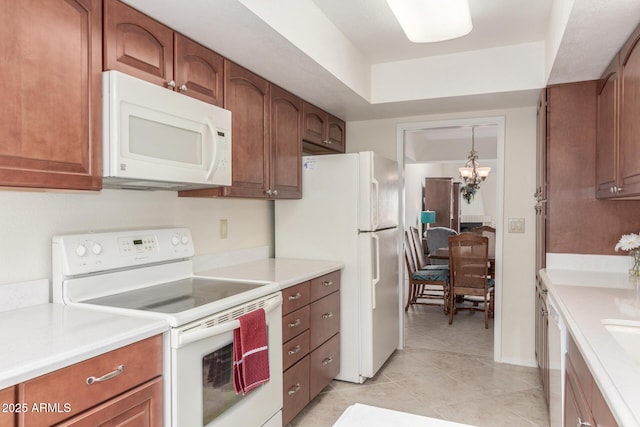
(218, 393)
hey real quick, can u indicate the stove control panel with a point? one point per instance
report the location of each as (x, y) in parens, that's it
(77, 254)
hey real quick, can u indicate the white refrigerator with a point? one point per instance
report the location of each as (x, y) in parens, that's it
(349, 212)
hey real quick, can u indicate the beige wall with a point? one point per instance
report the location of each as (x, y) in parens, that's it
(517, 300)
(28, 219)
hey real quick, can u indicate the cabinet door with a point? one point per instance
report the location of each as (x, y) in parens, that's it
(136, 44)
(247, 96)
(286, 145)
(295, 390)
(336, 134)
(438, 195)
(541, 182)
(314, 124)
(607, 134)
(141, 406)
(7, 397)
(629, 124)
(576, 409)
(324, 318)
(324, 365)
(50, 126)
(198, 71)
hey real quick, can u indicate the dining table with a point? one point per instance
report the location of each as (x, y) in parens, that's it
(443, 253)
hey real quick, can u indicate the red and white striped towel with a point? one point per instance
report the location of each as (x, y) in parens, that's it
(250, 352)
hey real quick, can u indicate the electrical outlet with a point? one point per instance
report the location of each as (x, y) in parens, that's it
(224, 228)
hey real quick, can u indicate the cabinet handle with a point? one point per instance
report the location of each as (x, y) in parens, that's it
(106, 377)
(327, 315)
(327, 141)
(183, 88)
(329, 283)
(274, 192)
(171, 84)
(544, 313)
(297, 322)
(295, 297)
(268, 192)
(581, 423)
(294, 389)
(295, 350)
(327, 361)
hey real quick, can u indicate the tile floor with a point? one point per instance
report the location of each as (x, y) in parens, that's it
(444, 372)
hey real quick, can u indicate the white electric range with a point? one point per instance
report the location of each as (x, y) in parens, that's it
(149, 273)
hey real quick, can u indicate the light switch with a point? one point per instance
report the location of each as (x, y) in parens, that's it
(516, 225)
(224, 228)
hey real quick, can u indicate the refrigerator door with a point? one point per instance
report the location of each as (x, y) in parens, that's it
(379, 307)
(378, 193)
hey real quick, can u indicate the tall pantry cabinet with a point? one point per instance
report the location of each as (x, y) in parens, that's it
(51, 65)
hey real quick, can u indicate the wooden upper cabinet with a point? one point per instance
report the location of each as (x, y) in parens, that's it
(136, 44)
(8, 397)
(322, 132)
(198, 71)
(607, 176)
(286, 145)
(629, 111)
(142, 47)
(50, 126)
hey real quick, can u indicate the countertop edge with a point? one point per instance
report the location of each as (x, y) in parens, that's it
(618, 405)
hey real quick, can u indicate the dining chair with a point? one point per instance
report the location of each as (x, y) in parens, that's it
(427, 286)
(490, 233)
(437, 239)
(468, 266)
(418, 248)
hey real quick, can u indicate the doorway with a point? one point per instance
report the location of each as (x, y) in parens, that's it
(406, 133)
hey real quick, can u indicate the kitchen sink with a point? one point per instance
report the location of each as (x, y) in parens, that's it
(627, 335)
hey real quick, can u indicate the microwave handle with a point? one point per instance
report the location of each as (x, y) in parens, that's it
(213, 146)
(185, 338)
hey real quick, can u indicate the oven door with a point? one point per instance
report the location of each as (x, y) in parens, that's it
(202, 391)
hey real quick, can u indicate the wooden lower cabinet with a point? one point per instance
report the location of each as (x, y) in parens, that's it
(311, 340)
(584, 403)
(7, 410)
(121, 387)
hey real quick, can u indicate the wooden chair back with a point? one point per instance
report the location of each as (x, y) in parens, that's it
(418, 247)
(469, 271)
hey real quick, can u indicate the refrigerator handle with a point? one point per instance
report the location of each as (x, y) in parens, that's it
(376, 279)
(375, 212)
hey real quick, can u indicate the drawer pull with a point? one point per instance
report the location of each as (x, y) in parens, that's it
(295, 297)
(329, 283)
(581, 423)
(294, 389)
(106, 377)
(295, 350)
(327, 361)
(297, 322)
(327, 315)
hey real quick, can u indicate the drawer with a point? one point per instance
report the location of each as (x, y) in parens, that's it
(324, 365)
(324, 319)
(295, 349)
(295, 323)
(8, 413)
(324, 285)
(583, 374)
(295, 390)
(68, 387)
(295, 297)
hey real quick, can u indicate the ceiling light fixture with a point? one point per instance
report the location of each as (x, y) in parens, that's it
(472, 174)
(426, 21)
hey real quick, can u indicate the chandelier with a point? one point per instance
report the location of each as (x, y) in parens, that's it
(472, 174)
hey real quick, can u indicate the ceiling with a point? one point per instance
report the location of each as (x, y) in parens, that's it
(328, 51)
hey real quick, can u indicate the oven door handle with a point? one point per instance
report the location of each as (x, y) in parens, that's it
(184, 338)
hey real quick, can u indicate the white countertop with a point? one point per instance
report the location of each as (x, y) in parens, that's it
(584, 299)
(285, 271)
(46, 337)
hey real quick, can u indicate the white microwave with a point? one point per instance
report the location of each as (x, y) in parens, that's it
(157, 139)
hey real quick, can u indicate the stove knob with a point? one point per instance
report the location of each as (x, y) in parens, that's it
(175, 240)
(96, 248)
(81, 250)
(184, 240)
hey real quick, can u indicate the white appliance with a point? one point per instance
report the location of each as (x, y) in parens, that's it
(557, 337)
(349, 212)
(157, 139)
(149, 273)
